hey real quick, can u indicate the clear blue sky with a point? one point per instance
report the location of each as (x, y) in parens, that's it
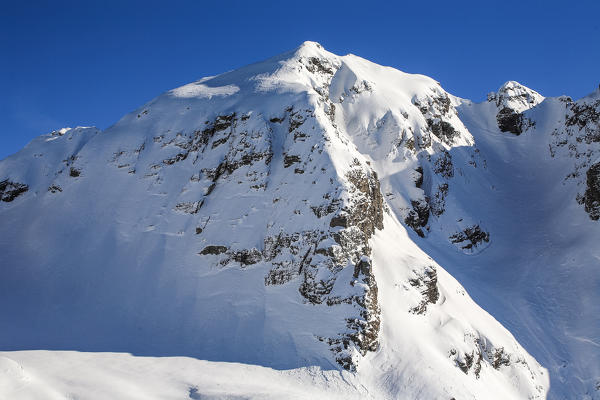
(90, 62)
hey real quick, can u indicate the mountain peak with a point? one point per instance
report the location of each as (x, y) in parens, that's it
(283, 215)
(516, 97)
(310, 49)
(308, 44)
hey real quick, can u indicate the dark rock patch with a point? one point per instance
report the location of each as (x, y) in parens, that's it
(419, 178)
(326, 209)
(339, 220)
(74, 172)
(189, 207)
(500, 358)
(178, 157)
(591, 197)
(11, 190)
(510, 121)
(427, 282)
(214, 250)
(437, 203)
(288, 160)
(583, 114)
(443, 165)
(418, 216)
(470, 237)
(442, 129)
(317, 65)
(247, 257)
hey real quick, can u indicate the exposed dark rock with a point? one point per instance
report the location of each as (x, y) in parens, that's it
(219, 142)
(500, 358)
(296, 119)
(214, 250)
(366, 327)
(234, 160)
(289, 160)
(470, 237)
(54, 189)
(289, 254)
(223, 122)
(483, 352)
(437, 111)
(326, 209)
(419, 179)
(466, 364)
(198, 230)
(200, 138)
(317, 65)
(427, 282)
(279, 276)
(418, 217)
(510, 121)
(367, 209)
(74, 172)
(592, 192)
(442, 129)
(11, 190)
(443, 165)
(332, 251)
(437, 202)
(178, 157)
(583, 114)
(189, 207)
(472, 359)
(247, 257)
(315, 290)
(339, 220)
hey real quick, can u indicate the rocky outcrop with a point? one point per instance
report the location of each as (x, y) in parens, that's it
(426, 282)
(74, 172)
(437, 202)
(512, 99)
(418, 216)
(516, 97)
(11, 190)
(470, 237)
(350, 231)
(592, 192)
(443, 166)
(510, 121)
(213, 250)
(54, 189)
(483, 352)
(579, 140)
(188, 207)
(438, 111)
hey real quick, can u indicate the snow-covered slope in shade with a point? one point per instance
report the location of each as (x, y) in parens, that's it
(301, 211)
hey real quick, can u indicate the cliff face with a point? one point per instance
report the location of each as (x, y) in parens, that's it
(299, 211)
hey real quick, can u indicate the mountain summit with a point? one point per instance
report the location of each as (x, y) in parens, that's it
(309, 210)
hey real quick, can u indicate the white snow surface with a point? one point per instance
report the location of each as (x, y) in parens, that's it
(102, 255)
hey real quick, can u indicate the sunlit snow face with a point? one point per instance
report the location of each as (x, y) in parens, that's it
(200, 90)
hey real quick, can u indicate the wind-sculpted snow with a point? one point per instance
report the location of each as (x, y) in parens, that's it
(303, 211)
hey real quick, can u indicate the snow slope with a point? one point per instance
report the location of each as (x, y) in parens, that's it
(303, 211)
(60, 375)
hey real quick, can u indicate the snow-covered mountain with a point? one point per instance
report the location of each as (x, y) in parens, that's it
(312, 211)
